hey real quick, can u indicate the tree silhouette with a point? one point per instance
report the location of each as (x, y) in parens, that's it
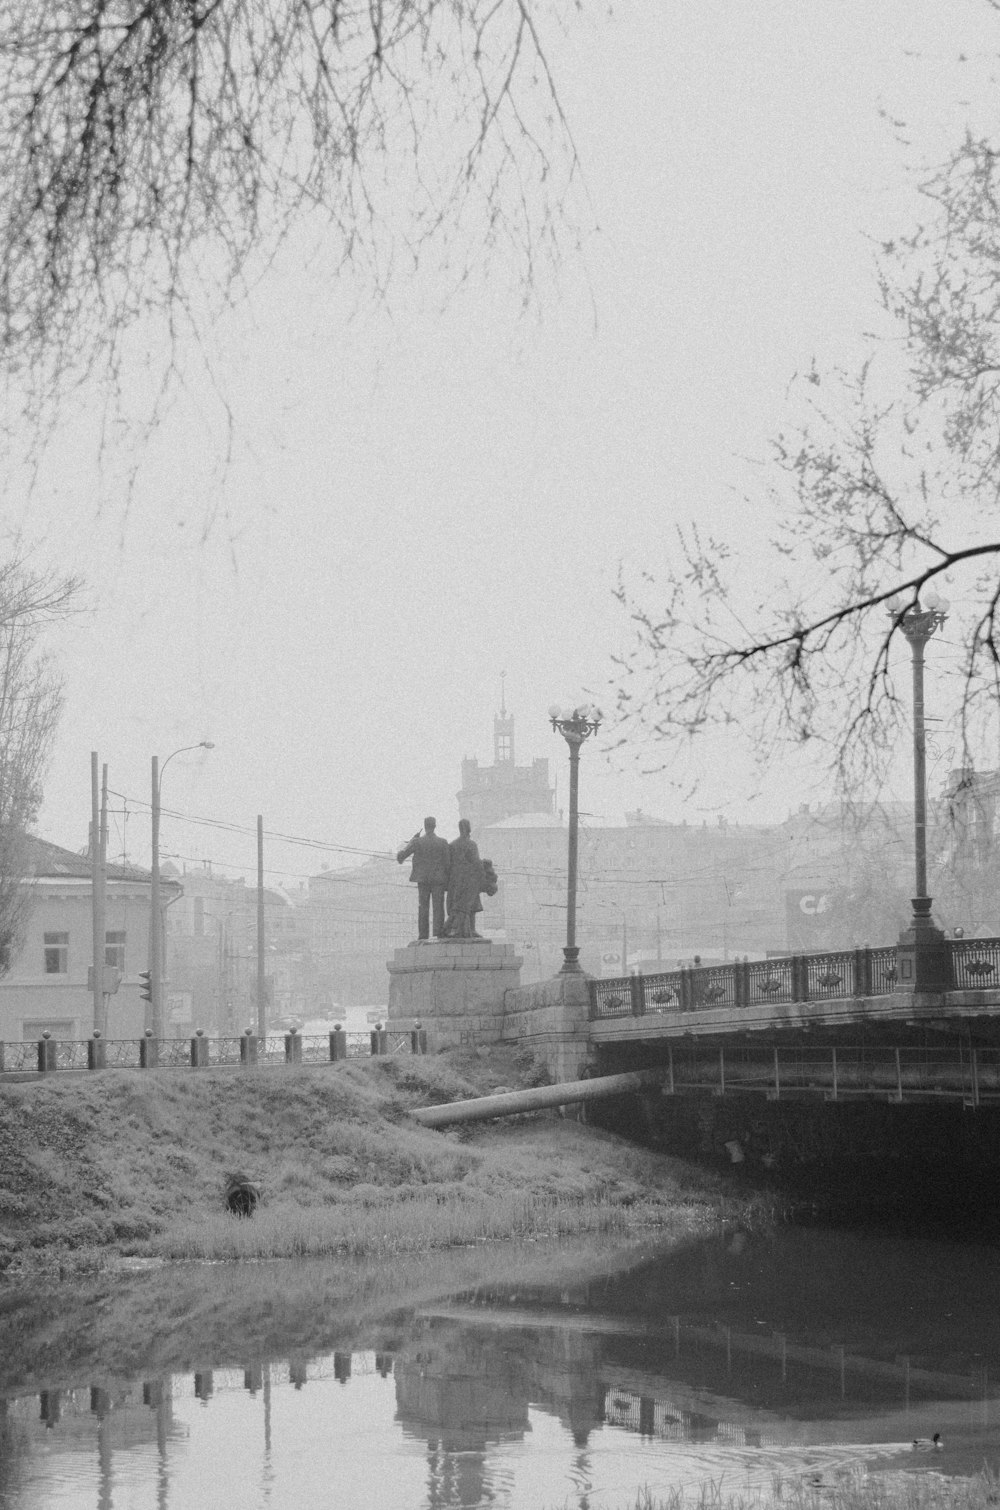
(886, 485)
(30, 704)
(155, 152)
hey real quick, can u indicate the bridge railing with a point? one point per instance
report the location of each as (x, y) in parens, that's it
(789, 978)
(47, 1054)
(975, 963)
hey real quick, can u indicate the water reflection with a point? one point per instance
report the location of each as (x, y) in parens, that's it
(724, 1361)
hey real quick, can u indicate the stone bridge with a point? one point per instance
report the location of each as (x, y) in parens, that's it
(836, 1025)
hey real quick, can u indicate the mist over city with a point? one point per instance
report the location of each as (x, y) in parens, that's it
(499, 755)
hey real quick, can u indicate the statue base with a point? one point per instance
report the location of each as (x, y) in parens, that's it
(455, 987)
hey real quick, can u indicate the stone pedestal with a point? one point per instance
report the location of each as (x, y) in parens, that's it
(455, 987)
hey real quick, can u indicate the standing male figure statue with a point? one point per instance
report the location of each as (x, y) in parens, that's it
(430, 857)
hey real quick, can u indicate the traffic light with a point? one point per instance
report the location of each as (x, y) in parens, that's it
(146, 989)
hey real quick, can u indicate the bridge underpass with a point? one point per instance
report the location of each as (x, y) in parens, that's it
(819, 1070)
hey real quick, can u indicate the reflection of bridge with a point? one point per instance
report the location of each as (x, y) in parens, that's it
(659, 1401)
(835, 1024)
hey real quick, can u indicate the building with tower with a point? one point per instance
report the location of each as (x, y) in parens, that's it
(503, 790)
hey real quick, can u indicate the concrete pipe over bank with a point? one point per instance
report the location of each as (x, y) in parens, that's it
(509, 1103)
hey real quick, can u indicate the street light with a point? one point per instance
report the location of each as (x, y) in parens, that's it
(924, 960)
(154, 1018)
(575, 724)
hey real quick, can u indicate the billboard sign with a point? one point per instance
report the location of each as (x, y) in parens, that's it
(809, 912)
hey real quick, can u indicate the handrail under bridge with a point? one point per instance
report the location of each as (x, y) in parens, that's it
(790, 979)
(959, 1072)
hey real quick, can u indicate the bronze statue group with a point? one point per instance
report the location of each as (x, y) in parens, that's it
(448, 871)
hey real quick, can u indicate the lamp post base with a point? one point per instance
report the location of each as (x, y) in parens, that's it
(571, 960)
(923, 955)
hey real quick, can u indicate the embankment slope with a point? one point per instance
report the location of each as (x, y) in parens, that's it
(119, 1162)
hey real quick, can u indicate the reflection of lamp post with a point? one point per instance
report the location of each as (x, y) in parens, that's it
(575, 724)
(155, 916)
(924, 959)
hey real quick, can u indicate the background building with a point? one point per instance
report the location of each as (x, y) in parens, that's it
(492, 793)
(47, 988)
(211, 955)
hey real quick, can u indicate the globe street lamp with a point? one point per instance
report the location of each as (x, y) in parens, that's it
(924, 960)
(575, 724)
(155, 917)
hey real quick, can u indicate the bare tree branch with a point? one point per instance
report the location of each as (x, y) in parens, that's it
(153, 151)
(30, 705)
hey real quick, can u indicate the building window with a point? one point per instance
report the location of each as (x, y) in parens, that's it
(114, 950)
(56, 953)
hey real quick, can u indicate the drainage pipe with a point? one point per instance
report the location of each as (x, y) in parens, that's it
(509, 1103)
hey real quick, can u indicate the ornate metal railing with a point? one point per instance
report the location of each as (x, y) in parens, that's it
(48, 1054)
(844, 973)
(975, 963)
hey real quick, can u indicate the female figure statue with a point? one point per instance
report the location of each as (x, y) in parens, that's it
(466, 879)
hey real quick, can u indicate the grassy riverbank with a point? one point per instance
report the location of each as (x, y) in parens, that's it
(122, 1163)
(890, 1490)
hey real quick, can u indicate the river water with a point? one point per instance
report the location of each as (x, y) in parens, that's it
(732, 1361)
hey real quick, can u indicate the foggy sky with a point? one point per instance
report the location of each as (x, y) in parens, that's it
(430, 489)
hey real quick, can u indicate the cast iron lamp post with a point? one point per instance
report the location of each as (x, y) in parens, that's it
(155, 918)
(924, 959)
(575, 724)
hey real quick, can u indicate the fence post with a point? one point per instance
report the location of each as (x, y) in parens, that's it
(863, 971)
(592, 992)
(418, 1039)
(97, 1052)
(1, 1056)
(741, 982)
(199, 1050)
(380, 1039)
(686, 993)
(638, 995)
(249, 1048)
(47, 1049)
(338, 1044)
(800, 978)
(149, 1051)
(293, 1047)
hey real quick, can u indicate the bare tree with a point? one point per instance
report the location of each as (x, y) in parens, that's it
(154, 152)
(30, 704)
(885, 487)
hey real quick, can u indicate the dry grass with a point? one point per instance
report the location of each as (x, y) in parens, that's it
(137, 1163)
(378, 1229)
(850, 1491)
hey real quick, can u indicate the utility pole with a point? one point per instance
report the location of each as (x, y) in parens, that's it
(261, 982)
(104, 823)
(97, 896)
(155, 1011)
